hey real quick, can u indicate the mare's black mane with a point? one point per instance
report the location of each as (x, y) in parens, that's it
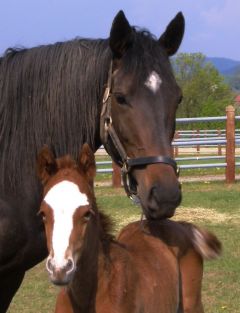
(49, 95)
(52, 95)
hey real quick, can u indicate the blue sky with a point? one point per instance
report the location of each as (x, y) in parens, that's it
(212, 26)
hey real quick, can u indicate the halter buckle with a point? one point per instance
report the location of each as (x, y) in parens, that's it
(135, 199)
(177, 171)
(107, 122)
(125, 167)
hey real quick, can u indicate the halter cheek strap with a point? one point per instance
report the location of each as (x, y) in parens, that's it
(116, 150)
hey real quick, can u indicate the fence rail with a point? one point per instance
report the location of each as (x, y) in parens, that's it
(228, 137)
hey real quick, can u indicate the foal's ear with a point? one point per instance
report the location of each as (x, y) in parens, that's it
(46, 164)
(173, 35)
(121, 35)
(87, 161)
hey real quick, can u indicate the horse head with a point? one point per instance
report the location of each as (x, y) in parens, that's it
(67, 208)
(138, 116)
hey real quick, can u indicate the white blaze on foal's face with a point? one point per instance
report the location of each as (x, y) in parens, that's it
(153, 82)
(64, 198)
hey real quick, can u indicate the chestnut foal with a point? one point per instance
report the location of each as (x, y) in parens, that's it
(139, 272)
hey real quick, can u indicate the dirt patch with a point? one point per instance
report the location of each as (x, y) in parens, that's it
(192, 215)
(202, 214)
(121, 221)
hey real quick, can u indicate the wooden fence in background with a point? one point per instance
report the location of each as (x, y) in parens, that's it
(224, 140)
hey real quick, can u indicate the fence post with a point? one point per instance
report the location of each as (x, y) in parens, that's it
(198, 136)
(219, 146)
(116, 175)
(175, 154)
(230, 144)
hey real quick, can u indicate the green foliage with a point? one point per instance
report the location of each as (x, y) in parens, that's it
(234, 80)
(204, 91)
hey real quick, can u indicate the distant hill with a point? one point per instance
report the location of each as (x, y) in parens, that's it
(230, 69)
(223, 65)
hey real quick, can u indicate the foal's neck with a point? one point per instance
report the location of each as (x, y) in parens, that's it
(83, 288)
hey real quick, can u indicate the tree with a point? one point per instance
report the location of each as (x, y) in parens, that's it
(234, 80)
(204, 91)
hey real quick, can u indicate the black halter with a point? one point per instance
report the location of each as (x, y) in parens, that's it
(115, 149)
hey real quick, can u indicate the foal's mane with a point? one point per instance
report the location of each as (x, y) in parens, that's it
(66, 162)
(106, 229)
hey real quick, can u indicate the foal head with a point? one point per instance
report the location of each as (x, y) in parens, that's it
(67, 207)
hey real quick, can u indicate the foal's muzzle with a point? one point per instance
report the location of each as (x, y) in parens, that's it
(60, 275)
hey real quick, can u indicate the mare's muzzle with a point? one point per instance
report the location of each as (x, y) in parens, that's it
(129, 183)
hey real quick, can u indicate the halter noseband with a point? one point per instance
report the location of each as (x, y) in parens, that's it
(115, 149)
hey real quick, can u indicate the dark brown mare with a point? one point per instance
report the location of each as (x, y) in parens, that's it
(54, 95)
(138, 272)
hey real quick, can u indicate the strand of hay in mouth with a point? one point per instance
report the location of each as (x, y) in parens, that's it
(203, 214)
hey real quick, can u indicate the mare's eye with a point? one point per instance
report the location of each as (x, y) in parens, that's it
(120, 99)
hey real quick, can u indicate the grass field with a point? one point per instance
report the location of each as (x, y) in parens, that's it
(215, 206)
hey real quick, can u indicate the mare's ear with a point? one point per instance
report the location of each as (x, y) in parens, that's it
(46, 164)
(87, 161)
(171, 39)
(121, 35)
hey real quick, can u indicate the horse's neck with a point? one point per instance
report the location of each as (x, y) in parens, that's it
(91, 280)
(83, 287)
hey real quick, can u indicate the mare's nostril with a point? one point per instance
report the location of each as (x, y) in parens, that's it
(154, 194)
(69, 266)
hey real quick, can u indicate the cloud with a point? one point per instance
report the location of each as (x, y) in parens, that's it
(215, 30)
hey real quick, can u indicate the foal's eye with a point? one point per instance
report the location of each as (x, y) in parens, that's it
(43, 216)
(87, 216)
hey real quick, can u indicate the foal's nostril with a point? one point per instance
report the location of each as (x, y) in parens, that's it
(69, 266)
(49, 265)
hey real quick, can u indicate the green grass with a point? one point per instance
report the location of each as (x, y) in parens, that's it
(213, 205)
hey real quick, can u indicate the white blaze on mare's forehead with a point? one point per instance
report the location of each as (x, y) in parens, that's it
(153, 81)
(64, 198)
